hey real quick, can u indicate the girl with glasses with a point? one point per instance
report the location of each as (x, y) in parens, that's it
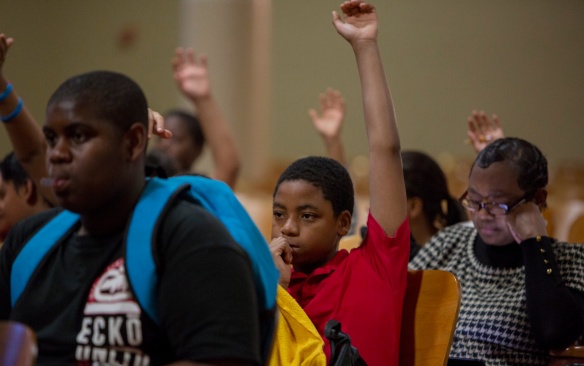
(522, 292)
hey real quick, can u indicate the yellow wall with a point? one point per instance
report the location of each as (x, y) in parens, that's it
(61, 38)
(522, 59)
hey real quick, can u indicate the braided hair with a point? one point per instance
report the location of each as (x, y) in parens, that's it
(425, 179)
(526, 158)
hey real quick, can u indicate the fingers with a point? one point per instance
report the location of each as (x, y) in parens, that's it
(190, 57)
(150, 123)
(516, 236)
(280, 249)
(323, 98)
(282, 256)
(525, 221)
(6, 41)
(182, 57)
(354, 7)
(471, 125)
(313, 115)
(335, 100)
(204, 60)
(481, 129)
(177, 60)
(331, 99)
(481, 120)
(156, 125)
(496, 121)
(5, 44)
(337, 22)
(187, 56)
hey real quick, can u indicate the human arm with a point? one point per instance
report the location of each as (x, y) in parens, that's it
(481, 131)
(192, 79)
(25, 135)
(329, 123)
(386, 182)
(556, 312)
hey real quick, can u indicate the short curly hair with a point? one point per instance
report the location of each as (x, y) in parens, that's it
(328, 175)
(111, 96)
(529, 162)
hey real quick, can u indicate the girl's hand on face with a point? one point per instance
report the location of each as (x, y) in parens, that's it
(525, 222)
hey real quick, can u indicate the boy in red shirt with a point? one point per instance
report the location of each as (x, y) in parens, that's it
(313, 203)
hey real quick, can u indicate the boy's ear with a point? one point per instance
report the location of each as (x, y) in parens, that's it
(136, 139)
(344, 223)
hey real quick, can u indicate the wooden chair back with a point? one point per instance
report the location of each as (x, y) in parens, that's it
(17, 344)
(350, 242)
(573, 355)
(576, 234)
(429, 318)
(259, 207)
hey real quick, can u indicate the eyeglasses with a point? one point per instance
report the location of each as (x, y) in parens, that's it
(495, 209)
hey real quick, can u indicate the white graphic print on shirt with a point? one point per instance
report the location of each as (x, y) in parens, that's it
(111, 331)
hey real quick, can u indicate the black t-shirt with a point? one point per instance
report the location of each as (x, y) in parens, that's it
(80, 305)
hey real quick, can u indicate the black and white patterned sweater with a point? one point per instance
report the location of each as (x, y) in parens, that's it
(493, 323)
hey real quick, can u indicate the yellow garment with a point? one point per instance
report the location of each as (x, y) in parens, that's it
(297, 341)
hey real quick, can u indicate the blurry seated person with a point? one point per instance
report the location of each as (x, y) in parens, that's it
(78, 300)
(19, 196)
(430, 205)
(160, 164)
(522, 291)
(189, 132)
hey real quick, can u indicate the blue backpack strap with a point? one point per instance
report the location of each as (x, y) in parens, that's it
(140, 266)
(219, 199)
(35, 250)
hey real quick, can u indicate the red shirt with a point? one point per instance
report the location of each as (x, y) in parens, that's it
(364, 290)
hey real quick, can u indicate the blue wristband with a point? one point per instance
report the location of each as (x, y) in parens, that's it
(6, 92)
(14, 113)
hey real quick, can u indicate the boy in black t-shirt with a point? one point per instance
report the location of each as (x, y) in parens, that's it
(78, 301)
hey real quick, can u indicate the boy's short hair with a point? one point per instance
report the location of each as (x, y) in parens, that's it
(110, 95)
(328, 175)
(529, 162)
(12, 171)
(192, 124)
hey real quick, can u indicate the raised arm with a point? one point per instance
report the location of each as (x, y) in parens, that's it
(481, 131)
(192, 79)
(329, 123)
(386, 183)
(27, 139)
